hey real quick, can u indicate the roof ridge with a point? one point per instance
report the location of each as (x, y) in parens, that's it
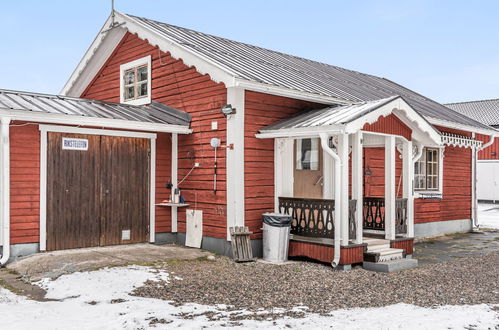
(463, 102)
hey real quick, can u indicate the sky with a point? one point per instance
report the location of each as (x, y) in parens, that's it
(445, 50)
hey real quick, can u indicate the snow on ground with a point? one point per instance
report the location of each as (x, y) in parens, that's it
(101, 300)
(488, 215)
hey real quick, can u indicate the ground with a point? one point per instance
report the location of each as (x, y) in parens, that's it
(455, 287)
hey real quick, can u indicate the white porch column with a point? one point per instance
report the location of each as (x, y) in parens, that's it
(390, 187)
(408, 175)
(358, 182)
(343, 202)
(235, 159)
(283, 169)
(5, 188)
(174, 179)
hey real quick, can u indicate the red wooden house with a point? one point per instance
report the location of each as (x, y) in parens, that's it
(351, 156)
(486, 112)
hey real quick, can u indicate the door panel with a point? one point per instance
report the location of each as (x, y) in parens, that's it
(72, 193)
(125, 189)
(307, 182)
(95, 194)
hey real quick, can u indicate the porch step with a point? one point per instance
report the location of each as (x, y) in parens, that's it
(391, 265)
(377, 247)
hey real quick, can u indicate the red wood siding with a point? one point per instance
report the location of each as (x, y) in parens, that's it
(325, 253)
(262, 110)
(374, 161)
(163, 174)
(182, 87)
(405, 244)
(492, 151)
(456, 202)
(390, 124)
(24, 183)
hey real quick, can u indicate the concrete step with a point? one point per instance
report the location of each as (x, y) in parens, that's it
(383, 254)
(375, 241)
(377, 247)
(391, 265)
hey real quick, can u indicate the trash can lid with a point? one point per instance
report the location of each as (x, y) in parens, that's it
(277, 219)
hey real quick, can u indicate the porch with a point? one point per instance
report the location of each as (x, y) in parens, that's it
(335, 218)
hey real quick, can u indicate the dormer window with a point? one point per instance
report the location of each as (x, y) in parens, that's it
(135, 87)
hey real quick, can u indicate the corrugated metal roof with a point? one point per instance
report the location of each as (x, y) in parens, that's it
(484, 111)
(335, 115)
(54, 104)
(269, 67)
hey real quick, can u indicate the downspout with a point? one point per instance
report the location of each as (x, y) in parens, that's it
(5, 188)
(337, 189)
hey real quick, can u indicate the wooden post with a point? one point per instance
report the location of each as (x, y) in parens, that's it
(408, 175)
(343, 154)
(390, 187)
(174, 178)
(358, 182)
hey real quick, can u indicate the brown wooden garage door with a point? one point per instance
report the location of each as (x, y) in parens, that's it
(97, 196)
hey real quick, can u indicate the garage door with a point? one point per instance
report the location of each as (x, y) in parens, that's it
(97, 190)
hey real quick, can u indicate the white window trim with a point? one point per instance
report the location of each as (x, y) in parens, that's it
(439, 191)
(124, 67)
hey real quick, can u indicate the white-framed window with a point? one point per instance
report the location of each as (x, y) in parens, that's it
(428, 171)
(307, 154)
(135, 81)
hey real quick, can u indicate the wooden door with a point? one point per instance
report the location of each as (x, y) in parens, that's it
(125, 190)
(308, 179)
(73, 199)
(94, 195)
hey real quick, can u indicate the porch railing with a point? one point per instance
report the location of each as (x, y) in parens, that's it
(315, 217)
(311, 217)
(401, 216)
(374, 214)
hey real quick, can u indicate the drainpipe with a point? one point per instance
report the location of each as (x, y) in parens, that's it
(5, 188)
(337, 190)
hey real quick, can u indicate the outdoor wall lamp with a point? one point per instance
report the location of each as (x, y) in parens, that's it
(227, 109)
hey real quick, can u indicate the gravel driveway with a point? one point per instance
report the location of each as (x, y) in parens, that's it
(254, 286)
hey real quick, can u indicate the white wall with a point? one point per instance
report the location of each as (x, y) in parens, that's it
(488, 180)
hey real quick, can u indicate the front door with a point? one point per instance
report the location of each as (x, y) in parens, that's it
(308, 179)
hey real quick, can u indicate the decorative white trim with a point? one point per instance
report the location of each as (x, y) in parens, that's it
(94, 58)
(44, 129)
(174, 180)
(235, 159)
(146, 60)
(31, 116)
(461, 141)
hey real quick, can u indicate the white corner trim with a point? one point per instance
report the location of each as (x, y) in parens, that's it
(235, 159)
(5, 189)
(44, 129)
(146, 60)
(43, 117)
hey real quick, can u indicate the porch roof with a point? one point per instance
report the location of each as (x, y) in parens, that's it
(351, 118)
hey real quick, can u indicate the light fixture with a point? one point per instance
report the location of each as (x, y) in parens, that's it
(228, 110)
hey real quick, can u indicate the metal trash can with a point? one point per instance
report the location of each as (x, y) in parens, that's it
(276, 228)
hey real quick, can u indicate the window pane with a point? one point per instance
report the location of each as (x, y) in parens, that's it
(142, 73)
(307, 154)
(129, 77)
(142, 90)
(129, 93)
